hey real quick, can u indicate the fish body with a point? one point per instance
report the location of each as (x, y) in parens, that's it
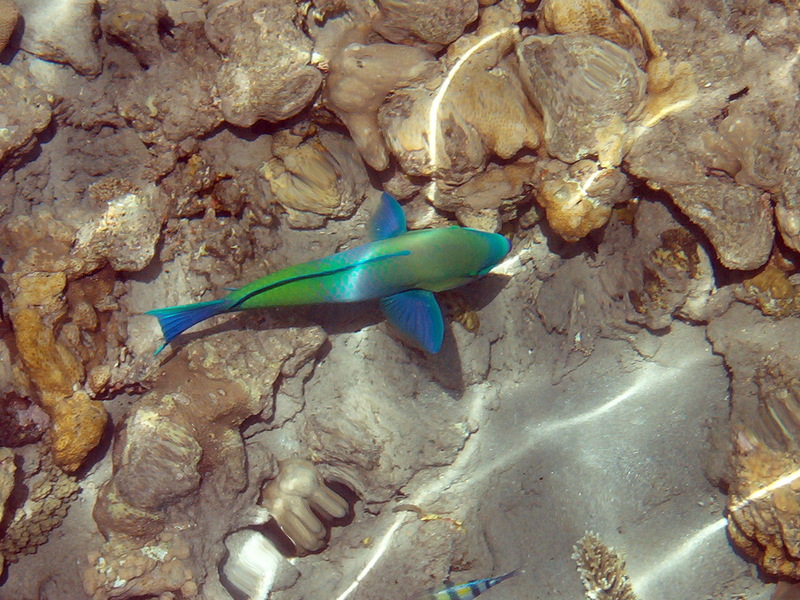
(401, 268)
(464, 591)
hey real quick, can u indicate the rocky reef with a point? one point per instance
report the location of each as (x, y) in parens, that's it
(640, 155)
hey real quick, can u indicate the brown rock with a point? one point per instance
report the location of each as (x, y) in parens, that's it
(8, 21)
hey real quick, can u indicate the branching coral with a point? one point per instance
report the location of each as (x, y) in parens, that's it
(602, 570)
(292, 495)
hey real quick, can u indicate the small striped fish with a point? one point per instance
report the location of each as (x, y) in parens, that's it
(464, 591)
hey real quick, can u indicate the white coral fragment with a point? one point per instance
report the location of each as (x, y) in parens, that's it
(253, 563)
(290, 497)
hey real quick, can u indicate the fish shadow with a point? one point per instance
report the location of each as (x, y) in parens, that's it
(445, 366)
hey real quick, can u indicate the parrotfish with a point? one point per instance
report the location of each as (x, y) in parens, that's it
(464, 591)
(401, 268)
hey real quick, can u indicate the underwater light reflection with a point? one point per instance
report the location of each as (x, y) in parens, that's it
(433, 116)
(455, 472)
(685, 551)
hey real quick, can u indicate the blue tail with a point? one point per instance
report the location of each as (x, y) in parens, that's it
(174, 320)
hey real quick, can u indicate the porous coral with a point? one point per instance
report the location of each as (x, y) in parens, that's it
(50, 491)
(764, 525)
(78, 421)
(292, 495)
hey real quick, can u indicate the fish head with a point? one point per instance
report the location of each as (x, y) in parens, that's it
(495, 248)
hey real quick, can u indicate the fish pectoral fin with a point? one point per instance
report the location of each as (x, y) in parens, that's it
(389, 220)
(417, 316)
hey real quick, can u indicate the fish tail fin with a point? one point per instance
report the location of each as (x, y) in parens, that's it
(174, 320)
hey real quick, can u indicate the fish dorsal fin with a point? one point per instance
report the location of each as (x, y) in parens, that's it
(388, 221)
(417, 315)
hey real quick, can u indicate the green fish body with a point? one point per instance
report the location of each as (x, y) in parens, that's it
(401, 268)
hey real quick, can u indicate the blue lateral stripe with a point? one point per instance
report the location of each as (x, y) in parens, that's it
(288, 280)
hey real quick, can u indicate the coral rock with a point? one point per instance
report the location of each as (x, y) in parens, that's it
(135, 23)
(737, 220)
(7, 470)
(69, 39)
(158, 461)
(323, 175)
(49, 492)
(78, 421)
(578, 198)
(677, 278)
(498, 187)
(125, 233)
(174, 100)
(594, 17)
(433, 23)
(9, 13)
(124, 569)
(267, 73)
(21, 421)
(587, 88)
(290, 498)
(180, 457)
(787, 211)
(25, 110)
(483, 111)
(360, 79)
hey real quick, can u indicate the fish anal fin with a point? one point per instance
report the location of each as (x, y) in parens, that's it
(389, 220)
(417, 316)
